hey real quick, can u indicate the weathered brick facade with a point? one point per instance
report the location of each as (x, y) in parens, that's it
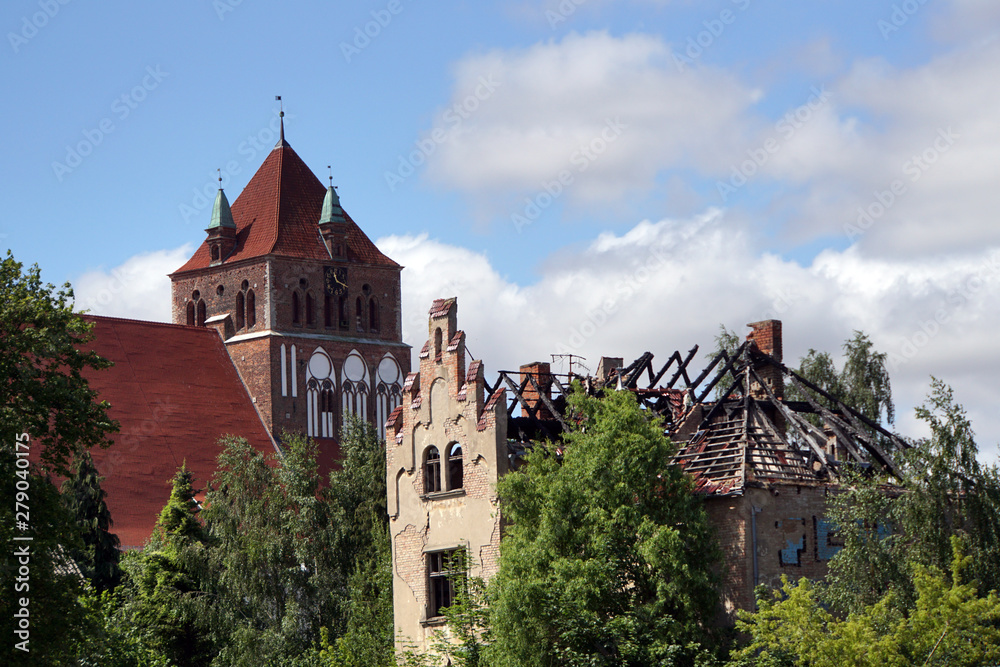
(438, 503)
(767, 533)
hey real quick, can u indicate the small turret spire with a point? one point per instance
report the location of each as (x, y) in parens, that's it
(222, 216)
(332, 212)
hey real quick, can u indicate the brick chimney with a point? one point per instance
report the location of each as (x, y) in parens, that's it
(541, 372)
(766, 337)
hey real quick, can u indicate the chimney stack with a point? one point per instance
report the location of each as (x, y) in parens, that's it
(766, 337)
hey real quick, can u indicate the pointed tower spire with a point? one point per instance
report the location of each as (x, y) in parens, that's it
(221, 229)
(281, 121)
(222, 215)
(333, 223)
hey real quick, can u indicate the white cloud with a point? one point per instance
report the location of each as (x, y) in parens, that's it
(668, 285)
(610, 111)
(137, 289)
(931, 128)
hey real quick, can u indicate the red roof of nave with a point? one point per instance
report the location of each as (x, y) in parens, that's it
(278, 214)
(175, 392)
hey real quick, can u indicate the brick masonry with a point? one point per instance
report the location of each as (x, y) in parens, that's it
(276, 284)
(793, 538)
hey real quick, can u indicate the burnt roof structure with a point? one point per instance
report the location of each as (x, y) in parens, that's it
(747, 435)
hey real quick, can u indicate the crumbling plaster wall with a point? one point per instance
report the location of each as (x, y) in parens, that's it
(442, 404)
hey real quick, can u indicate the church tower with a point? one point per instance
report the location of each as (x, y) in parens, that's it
(308, 307)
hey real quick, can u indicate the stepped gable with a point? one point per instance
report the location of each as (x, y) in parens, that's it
(277, 214)
(175, 392)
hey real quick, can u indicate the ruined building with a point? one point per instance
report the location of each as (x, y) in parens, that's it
(765, 465)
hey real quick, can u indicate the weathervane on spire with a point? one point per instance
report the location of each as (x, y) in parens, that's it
(331, 174)
(220, 177)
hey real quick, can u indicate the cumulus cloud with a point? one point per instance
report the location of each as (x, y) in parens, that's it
(137, 289)
(929, 130)
(668, 285)
(610, 111)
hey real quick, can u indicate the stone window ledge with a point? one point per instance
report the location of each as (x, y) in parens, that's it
(440, 495)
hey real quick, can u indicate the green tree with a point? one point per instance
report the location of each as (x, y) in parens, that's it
(43, 355)
(609, 556)
(178, 519)
(357, 494)
(889, 530)
(863, 382)
(162, 594)
(45, 406)
(727, 341)
(84, 498)
(949, 625)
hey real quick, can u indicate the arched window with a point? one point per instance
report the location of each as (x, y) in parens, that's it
(200, 319)
(372, 314)
(389, 391)
(190, 313)
(354, 386)
(437, 344)
(342, 313)
(454, 466)
(251, 310)
(359, 314)
(215, 253)
(319, 395)
(239, 310)
(327, 312)
(309, 309)
(295, 308)
(432, 470)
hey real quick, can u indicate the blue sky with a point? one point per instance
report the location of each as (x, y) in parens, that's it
(533, 157)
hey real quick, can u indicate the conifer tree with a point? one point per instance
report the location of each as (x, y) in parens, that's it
(84, 498)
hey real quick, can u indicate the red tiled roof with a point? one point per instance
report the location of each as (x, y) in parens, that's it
(278, 214)
(175, 392)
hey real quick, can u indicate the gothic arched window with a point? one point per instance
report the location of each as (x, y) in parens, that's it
(309, 309)
(200, 319)
(454, 466)
(251, 310)
(372, 314)
(295, 308)
(432, 470)
(190, 313)
(388, 392)
(239, 310)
